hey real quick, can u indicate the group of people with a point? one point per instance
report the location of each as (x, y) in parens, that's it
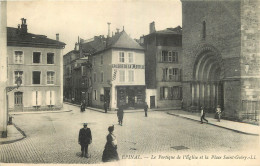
(203, 113)
(110, 151)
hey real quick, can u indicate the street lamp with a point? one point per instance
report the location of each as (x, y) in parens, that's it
(18, 83)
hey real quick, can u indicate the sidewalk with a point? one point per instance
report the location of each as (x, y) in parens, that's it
(13, 134)
(227, 124)
(125, 111)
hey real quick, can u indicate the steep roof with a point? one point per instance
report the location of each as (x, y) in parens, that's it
(14, 38)
(122, 40)
(169, 31)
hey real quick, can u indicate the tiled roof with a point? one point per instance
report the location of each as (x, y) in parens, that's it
(14, 38)
(177, 30)
(119, 40)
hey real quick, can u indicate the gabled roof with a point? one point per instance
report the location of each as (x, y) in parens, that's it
(14, 38)
(122, 40)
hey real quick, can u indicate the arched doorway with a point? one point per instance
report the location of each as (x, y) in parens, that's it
(207, 85)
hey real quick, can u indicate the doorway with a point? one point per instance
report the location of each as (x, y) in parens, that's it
(152, 101)
(18, 101)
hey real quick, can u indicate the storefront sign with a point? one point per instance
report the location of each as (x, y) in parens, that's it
(128, 66)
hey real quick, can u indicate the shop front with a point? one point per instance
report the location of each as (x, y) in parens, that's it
(131, 97)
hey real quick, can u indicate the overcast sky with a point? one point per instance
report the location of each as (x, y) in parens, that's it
(88, 18)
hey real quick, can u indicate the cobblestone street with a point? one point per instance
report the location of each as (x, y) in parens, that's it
(52, 137)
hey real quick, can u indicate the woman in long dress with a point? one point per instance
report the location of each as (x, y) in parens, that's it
(110, 151)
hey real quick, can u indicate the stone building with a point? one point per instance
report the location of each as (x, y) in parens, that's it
(221, 58)
(163, 67)
(37, 60)
(118, 72)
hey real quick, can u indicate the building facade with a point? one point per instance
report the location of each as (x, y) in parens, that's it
(118, 73)
(163, 58)
(37, 60)
(221, 57)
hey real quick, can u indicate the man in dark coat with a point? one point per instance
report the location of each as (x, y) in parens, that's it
(105, 107)
(83, 106)
(120, 115)
(85, 138)
(145, 109)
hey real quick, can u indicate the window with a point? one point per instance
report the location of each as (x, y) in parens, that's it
(121, 76)
(95, 94)
(18, 74)
(203, 29)
(176, 92)
(165, 74)
(94, 61)
(50, 98)
(50, 77)
(36, 98)
(131, 76)
(170, 57)
(101, 59)
(130, 58)
(36, 77)
(18, 57)
(50, 58)
(95, 77)
(164, 56)
(174, 56)
(173, 74)
(36, 57)
(101, 77)
(170, 93)
(164, 92)
(121, 57)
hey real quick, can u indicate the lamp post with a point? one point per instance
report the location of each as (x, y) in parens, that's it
(18, 82)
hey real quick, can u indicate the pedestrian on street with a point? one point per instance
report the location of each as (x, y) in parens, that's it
(120, 115)
(85, 138)
(218, 112)
(110, 151)
(202, 115)
(145, 109)
(82, 106)
(105, 106)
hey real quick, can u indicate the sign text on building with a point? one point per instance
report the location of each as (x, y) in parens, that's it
(128, 66)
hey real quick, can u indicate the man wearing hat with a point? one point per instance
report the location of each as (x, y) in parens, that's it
(85, 138)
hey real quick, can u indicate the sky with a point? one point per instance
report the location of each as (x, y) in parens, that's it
(88, 18)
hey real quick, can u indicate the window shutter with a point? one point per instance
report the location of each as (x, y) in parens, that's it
(161, 92)
(180, 73)
(48, 98)
(170, 96)
(34, 98)
(53, 98)
(176, 57)
(39, 98)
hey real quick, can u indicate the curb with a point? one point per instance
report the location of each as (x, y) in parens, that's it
(19, 139)
(237, 131)
(39, 112)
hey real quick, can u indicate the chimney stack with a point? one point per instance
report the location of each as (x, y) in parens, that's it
(23, 26)
(152, 27)
(108, 33)
(57, 36)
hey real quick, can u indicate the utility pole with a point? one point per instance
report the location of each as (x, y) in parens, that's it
(3, 70)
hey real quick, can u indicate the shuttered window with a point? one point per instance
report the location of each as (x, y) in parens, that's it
(50, 98)
(36, 98)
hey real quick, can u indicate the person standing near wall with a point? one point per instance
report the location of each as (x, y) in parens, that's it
(145, 109)
(105, 106)
(218, 112)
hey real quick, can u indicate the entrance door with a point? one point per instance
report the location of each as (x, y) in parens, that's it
(107, 96)
(18, 101)
(152, 101)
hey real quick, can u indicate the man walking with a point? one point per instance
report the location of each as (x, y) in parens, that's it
(120, 115)
(145, 109)
(202, 115)
(85, 138)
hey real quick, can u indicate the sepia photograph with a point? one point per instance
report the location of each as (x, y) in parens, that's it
(129, 82)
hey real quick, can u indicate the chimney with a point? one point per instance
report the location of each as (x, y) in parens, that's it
(18, 29)
(76, 46)
(152, 27)
(23, 26)
(108, 33)
(57, 36)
